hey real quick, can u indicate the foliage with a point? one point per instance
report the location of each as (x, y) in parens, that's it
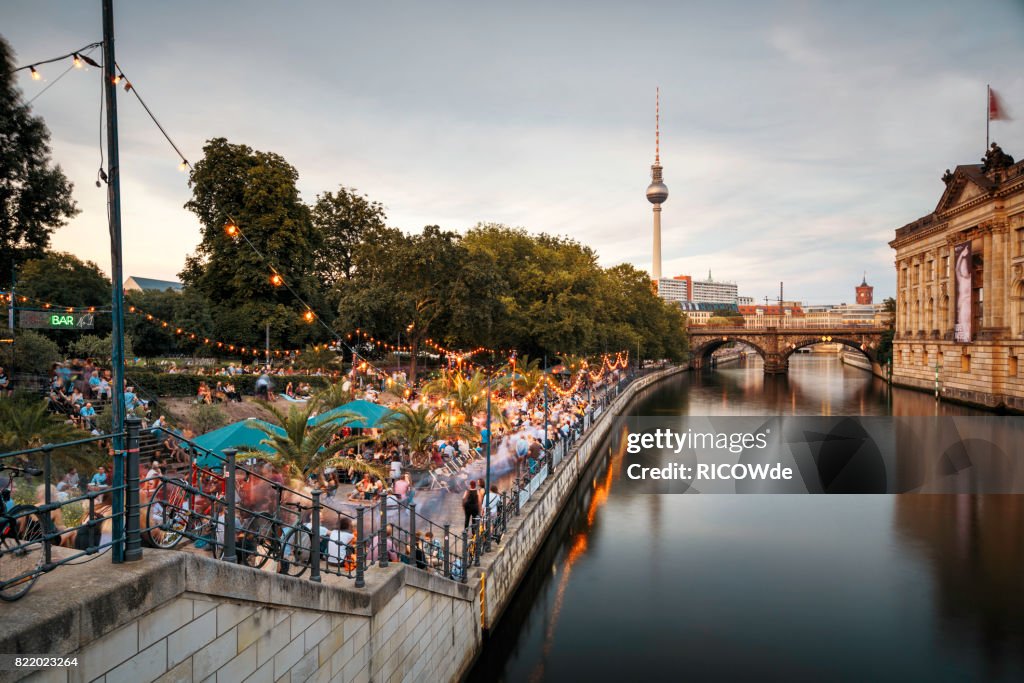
(303, 448)
(421, 287)
(25, 422)
(415, 427)
(343, 219)
(183, 384)
(35, 196)
(720, 321)
(333, 396)
(32, 353)
(258, 190)
(319, 358)
(64, 279)
(101, 349)
(206, 417)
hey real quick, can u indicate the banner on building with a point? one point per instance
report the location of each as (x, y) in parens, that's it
(963, 279)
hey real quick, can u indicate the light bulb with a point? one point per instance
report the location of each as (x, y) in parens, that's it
(78, 61)
(36, 76)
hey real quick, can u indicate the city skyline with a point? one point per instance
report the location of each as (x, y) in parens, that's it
(796, 139)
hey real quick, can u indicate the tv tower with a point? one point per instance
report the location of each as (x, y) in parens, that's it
(657, 191)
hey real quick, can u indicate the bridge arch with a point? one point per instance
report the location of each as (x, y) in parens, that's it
(703, 349)
(867, 349)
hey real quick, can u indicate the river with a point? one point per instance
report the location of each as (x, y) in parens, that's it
(770, 587)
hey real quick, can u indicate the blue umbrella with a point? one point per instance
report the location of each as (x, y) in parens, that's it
(241, 435)
(370, 414)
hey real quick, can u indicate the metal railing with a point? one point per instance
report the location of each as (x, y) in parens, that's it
(247, 513)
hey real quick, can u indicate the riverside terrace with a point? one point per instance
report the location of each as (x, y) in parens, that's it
(185, 615)
(250, 514)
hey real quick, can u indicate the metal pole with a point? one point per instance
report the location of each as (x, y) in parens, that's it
(314, 551)
(487, 481)
(360, 548)
(412, 533)
(465, 554)
(133, 539)
(229, 514)
(447, 560)
(544, 441)
(267, 345)
(936, 381)
(382, 538)
(116, 276)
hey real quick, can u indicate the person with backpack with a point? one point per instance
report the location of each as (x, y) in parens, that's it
(471, 503)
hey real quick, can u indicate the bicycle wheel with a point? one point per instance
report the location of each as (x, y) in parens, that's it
(21, 551)
(295, 553)
(168, 514)
(259, 541)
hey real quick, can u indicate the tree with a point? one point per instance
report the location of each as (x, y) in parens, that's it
(424, 287)
(98, 348)
(33, 354)
(416, 427)
(343, 219)
(258, 190)
(64, 279)
(304, 448)
(35, 196)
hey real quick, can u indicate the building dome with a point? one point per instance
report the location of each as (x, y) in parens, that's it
(657, 193)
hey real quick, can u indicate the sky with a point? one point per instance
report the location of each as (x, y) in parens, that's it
(795, 136)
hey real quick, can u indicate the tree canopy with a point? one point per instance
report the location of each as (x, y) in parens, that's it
(35, 196)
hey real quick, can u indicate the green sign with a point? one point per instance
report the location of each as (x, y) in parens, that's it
(47, 320)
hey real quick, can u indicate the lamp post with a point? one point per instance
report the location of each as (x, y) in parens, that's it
(486, 437)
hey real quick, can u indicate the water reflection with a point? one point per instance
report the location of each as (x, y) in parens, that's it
(790, 587)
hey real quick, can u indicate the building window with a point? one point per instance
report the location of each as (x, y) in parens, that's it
(945, 266)
(965, 362)
(1011, 367)
(931, 270)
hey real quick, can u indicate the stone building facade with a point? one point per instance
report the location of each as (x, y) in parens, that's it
(960, 290)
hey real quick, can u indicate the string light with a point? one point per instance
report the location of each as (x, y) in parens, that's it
(183, 166)
(276, 280)
(231, 229)
(36, 76)
(79, 64)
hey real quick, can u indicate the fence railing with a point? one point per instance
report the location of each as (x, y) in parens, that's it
(242, 512)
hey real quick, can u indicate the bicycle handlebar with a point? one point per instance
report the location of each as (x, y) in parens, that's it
(27, 470)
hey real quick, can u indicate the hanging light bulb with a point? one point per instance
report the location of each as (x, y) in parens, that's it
(78, 61)
(308, 316)
(183, 166)
(230, 228)
(276, 280)
(117, 78)
(36, 76)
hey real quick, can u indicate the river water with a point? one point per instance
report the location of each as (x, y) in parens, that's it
(770, 587)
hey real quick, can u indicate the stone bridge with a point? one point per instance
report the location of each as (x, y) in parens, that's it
(775, 345)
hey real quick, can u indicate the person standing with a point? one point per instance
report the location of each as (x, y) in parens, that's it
(471, 503)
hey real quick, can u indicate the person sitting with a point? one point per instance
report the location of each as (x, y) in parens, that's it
(289, 391)
(232, 393)
(203, 394)
(364, 489)
(88, 415)
(99, 480)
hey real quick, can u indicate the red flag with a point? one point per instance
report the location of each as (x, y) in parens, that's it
(996, 110)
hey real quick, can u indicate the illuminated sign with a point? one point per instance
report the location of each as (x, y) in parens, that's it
(47, 320)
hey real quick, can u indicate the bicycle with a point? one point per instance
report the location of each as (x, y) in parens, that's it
(267, 537)
(21, 540)
(178, 509)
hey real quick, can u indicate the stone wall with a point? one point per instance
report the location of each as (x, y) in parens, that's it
(989, 374)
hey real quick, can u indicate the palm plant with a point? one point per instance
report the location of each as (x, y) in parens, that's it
(333, 396)
(525, 377)
(25, 422)
(305, 448)
(416, 427)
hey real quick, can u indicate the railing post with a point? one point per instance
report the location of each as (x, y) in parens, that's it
(229, 554)
(360, 548)
(314, 551)
(479, 527)
(465, 554)
(92, 524)
(412, 533)
(132, 537)
(382, 538)
(447, 558)
(47, 499)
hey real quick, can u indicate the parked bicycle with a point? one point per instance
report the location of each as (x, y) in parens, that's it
(178, 509)
(22, 555)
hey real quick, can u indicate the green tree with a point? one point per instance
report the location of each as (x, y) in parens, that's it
(304, 448)
(98, 348)
(258, 190)
(64, 279)
(35, 196)
(343, 219)
(144, 315)
(415, 427)
(32, 353)
(423, 286)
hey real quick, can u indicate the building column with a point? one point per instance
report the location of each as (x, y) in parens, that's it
(986, 279)
(998, 301)
(951, 291)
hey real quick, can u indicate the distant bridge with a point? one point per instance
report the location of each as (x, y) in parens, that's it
(776, 345)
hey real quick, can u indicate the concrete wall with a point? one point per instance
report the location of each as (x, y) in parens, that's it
(178, 616)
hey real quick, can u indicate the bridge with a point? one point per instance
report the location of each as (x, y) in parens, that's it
(775, 345)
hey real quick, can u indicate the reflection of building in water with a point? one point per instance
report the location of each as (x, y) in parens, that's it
(975, 548)
(960, 288)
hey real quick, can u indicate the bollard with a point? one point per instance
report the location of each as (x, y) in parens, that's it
(382, 538)
(465, 555)
(132, 537)
(228, 551)
(447, 560)
(314, 550)
(91, 525)
(360, 548)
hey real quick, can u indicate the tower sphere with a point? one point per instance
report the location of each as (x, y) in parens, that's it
(657, 192)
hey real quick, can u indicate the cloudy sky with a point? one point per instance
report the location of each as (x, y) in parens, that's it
(796, 136)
